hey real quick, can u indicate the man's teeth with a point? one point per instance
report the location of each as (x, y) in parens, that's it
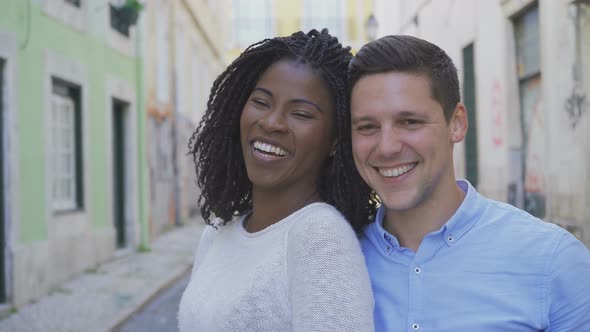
(269, 148)
(396, 171)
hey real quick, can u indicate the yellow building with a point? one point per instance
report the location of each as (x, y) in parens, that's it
(254, 20)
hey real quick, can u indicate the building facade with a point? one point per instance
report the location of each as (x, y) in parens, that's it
(258, 19)
(71, 142)
(525, 79)
(185, 47)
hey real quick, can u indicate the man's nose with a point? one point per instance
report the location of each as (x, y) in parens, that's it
(390, 142)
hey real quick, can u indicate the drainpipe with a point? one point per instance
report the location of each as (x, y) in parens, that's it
(141, 139)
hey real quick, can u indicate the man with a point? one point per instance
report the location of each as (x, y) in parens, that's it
(441, 256)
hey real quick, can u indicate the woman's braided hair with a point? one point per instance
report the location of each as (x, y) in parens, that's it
(215, 145)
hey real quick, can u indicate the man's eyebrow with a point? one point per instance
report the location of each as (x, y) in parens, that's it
(356, 119)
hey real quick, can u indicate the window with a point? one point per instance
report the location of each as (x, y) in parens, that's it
(66, 154)
(122, 18)
(252, 21)
(74, 2)
(324, 14)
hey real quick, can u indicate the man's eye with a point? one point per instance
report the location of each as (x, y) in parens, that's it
(366, 127)
(410, 122)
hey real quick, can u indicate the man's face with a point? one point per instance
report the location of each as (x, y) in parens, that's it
(401, 142)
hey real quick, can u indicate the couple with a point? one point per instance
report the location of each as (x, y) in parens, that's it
(286, 124)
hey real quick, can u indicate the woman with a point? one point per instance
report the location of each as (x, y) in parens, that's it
(273, 159)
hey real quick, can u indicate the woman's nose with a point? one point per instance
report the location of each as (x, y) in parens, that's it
(273, 121)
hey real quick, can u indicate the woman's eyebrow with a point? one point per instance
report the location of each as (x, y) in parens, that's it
(305, 101)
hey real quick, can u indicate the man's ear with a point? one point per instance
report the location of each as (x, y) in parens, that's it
(458, 123)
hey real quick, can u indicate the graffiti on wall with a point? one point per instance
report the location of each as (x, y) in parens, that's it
(497, 115)
(534, 147)
(575, 105)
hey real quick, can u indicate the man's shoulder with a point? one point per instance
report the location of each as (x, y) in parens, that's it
(512, 220)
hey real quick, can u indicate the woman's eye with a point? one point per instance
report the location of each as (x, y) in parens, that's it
(259, 102)
(305, 115)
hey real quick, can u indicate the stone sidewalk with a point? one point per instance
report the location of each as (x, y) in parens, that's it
(102, 298)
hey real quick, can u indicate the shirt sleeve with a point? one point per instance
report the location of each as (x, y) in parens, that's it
(207, 237)
(328, 281)
(569, 287)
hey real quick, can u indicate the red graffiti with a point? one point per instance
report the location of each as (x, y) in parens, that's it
(497, 120)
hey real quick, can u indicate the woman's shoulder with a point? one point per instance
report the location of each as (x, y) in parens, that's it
(216, 227)
(317, 219)
(322, 213)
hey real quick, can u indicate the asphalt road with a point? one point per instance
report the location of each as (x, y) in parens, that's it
(160, 314)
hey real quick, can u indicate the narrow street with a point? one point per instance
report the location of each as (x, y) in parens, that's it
(160, 314)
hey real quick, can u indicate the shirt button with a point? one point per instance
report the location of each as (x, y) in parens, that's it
(450, 238)
(417, 270)
(415, 326)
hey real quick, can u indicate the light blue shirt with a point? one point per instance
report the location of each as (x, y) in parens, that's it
(491, 267)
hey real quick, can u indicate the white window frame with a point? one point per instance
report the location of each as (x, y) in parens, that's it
(71, 71)
(63, 153)
(68, 14)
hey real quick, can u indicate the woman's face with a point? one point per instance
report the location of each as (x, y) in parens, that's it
(287, 129)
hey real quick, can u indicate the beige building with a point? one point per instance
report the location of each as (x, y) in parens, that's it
(525, 78)
(185, 44)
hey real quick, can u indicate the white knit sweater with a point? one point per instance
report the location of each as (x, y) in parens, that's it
(304, 273)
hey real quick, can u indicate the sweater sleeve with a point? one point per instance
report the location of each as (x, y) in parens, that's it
(328, 281)
(207, 237)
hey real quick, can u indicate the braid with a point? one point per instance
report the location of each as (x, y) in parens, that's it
(215, 145)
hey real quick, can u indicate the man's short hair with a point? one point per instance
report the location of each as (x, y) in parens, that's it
(400, 53)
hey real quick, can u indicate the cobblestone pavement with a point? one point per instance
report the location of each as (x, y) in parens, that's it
(102, 299)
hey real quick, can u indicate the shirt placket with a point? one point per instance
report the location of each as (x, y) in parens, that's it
(417, 272)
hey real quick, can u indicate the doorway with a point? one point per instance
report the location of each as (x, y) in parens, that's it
(2, 214)
(120, 109)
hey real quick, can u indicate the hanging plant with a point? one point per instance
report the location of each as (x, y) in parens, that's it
(127, 11)
(130, 11)
(124, 14)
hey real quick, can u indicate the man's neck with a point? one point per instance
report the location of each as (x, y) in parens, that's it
(411, 226)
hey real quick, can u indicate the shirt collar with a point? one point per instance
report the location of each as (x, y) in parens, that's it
(466, 215)
(454, 229)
